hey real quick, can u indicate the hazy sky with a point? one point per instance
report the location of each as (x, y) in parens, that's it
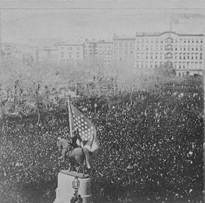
(76, 24)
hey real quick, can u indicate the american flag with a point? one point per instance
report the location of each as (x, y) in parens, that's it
(86, 128)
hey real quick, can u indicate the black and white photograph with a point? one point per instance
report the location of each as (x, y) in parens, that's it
(102, 101)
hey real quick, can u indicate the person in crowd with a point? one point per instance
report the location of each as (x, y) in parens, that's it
(174, 148)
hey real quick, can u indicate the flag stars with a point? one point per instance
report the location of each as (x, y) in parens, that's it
(80, 122)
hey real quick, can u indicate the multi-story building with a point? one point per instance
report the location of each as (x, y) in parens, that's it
(89, 49)
(183, 51)
(23, 53)
(100, 51)
(124, 49)
(69, 53)
(8, 50)
(104, 52)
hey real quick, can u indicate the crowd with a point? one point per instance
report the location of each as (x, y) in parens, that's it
(151, 148)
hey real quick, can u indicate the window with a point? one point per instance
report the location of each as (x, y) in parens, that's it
(200, 55)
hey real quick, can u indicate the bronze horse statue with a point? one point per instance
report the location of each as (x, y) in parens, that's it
(76, 158)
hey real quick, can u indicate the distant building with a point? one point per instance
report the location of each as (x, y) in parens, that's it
(48, 54)
(184, 52)
(69, 53)
(8, 50)
(28, 54)
(100, 51)
(89, 49)
(104, 52)
(24, 53)
(124, 49)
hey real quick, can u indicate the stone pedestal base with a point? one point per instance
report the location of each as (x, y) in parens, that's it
(64, 191)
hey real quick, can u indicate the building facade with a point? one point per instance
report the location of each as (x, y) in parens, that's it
(89, 49)
(124, 50)
(23, 53)
(104, 52)
(69, 53)
(100, 51)
(8, 50)
(183, 51)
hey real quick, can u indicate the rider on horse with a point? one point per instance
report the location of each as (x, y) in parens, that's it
(76, 141)
(84, 145)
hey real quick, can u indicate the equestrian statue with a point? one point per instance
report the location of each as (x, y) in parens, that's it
(76, 151)
(82, 141)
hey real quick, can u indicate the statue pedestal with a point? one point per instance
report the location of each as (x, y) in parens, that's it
(65, 192)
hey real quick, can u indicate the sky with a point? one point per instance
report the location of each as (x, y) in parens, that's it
(101, 21)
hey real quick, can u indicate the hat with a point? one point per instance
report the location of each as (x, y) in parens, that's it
(59, 138)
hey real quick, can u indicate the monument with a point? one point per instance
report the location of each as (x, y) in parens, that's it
(73, 187)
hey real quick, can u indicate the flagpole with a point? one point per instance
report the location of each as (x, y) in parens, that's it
(69, 114)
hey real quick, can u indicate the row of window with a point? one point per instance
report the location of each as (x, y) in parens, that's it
(181, 74)
(149, 57)
(185, 66)
(124, 53)
(176, 57)
(66, 60)
(162, 61)
(158, 65)
(124, 43)
(70, 56)
(184, 57)
(169, 40)
(174, 53)
(105, 53)
(147, 66)
(169, 48)
(71, 48)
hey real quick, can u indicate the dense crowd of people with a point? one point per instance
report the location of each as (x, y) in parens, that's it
(151, 147)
